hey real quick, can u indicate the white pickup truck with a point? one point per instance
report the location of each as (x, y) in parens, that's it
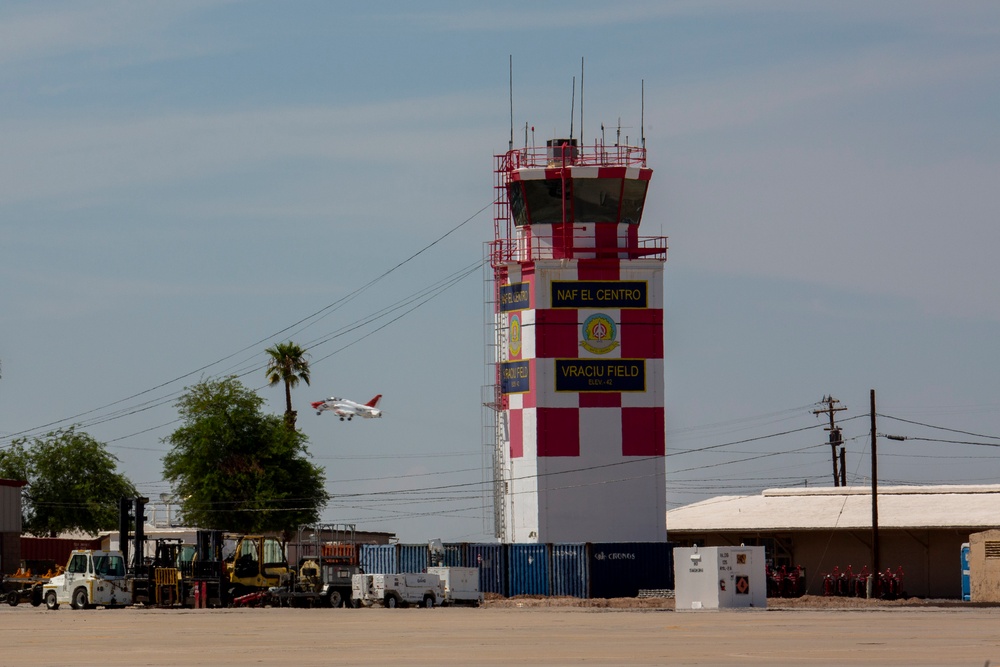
(397, 590)
(91, 578)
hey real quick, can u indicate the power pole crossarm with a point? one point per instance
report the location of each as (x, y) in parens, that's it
(835, 438)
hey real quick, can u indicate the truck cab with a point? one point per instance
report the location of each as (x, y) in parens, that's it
(92, 578)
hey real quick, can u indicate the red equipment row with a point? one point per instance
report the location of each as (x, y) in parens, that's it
(786, 582)
(887, 585)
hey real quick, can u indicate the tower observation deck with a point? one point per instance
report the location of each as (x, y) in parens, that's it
(578, 436)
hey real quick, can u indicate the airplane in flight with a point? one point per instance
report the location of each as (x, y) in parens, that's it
(346, 409)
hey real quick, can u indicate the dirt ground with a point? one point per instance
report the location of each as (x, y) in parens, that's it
(529, 631)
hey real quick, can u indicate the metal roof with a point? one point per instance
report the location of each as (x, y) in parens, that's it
(844, 508)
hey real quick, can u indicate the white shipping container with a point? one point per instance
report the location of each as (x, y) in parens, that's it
(719, 577)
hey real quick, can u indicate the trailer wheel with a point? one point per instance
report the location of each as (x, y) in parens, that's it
(13, 598)
(36, 596)
(79, 599)
(335, 599)
(51, 601)
(428, 601)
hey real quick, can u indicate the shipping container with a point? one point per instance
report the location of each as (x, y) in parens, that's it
(491, 559)
(379, 558)
(54, 548)
(622, 569)
(413, 558)
(966, 573)
(528, 569)
(454, 555)
(569, 569)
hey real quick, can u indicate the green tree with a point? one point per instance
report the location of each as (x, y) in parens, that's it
(287, 363)
(73, 482)
(238, 469)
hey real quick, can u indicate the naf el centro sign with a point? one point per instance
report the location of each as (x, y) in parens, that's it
(599, 294)
(585, 375)
(515, 297)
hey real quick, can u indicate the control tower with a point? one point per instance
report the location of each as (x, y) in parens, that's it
(577, 310)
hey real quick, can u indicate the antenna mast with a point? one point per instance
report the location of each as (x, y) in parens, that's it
(510, 145)
(642, 114)
(583, 137)
(572, 111)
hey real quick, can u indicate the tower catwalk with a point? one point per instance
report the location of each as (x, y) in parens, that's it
(579, 337)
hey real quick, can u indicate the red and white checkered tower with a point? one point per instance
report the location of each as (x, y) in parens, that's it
(579, 338)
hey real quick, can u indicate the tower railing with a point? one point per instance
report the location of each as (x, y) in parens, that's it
(593, 155)
(532, 247)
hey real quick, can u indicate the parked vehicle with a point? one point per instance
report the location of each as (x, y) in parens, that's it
(327, 560)
(257, 565)
(92, 578)
(397, 590)
(461, 585)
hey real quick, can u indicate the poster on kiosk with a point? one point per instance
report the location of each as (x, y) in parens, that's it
(719, 577)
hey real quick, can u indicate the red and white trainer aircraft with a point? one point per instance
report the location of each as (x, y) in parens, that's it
(346, 409)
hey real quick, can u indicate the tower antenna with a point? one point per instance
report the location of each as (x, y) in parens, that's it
(583, 137)
(642, 114)
(572, 104)
(510, 145)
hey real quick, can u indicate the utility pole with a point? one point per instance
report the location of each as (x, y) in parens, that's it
(836, 440)
(874, 575)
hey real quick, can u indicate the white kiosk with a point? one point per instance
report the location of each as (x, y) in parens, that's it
(719, 577)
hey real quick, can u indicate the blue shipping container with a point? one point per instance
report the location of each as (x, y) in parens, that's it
(412, 557)
(622, 569)
(379, 558)
(491, 559)
(569, 570)
(966, 574)
(528, 569)
(454, 554)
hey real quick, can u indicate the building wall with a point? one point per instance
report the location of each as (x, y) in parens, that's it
(10, 552)
(10, 507)
(10, 525)
(585, 458)
(929, 558)
(984, 566)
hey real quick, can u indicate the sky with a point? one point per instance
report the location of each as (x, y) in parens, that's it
(184, 184)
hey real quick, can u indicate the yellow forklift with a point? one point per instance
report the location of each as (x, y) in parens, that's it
(257, 564)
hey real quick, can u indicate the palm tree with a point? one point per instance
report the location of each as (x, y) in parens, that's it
(287, 363)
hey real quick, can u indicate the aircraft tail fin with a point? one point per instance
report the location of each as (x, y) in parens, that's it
(374, 402)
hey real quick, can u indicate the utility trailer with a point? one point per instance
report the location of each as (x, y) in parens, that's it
(397, 590)
(461, 585)
(25, 585)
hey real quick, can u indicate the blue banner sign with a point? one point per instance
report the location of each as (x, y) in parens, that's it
(600, 375)
(514, 297)
(514, 377)
(599, 294)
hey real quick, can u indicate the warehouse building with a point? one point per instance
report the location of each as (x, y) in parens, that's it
(921, 530)
(10, 525)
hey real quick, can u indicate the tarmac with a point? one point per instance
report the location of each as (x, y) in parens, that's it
(495, 636)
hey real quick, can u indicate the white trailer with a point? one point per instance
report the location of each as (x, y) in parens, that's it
(92, 578)
(397, 590)
(461, 585)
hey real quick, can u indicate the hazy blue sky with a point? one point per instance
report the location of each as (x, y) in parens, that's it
(183, 183)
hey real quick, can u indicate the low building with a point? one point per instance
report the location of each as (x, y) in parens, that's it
(10, 525)
(921, 529)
